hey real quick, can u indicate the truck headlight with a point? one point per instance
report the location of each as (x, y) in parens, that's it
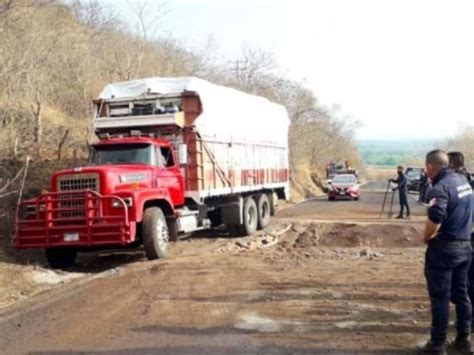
(117, 204)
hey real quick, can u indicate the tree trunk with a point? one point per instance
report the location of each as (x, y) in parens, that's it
(37, 112)
(15, 149)
(61, 143)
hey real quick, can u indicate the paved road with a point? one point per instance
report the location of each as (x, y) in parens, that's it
(367, 209)
(209, 298)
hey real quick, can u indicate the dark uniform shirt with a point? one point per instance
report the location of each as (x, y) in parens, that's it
(451, 206)
(424, 180)
(401, 182)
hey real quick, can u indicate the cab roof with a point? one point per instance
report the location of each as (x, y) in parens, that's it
(132, 140)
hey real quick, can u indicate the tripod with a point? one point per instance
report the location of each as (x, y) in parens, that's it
(390, 212)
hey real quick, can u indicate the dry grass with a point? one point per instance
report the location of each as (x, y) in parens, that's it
(305, 183)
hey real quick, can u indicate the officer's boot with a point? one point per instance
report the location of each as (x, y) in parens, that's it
(461, 344)
(432, 348)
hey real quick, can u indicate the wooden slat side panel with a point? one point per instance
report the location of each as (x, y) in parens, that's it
(233, 166)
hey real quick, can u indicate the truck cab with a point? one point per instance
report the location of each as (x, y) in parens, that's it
(104, 203)
(138, 162)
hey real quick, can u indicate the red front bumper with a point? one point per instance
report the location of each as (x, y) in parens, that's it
(75, 219)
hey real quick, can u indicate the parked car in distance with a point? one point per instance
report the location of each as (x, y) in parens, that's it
(344, 186)
(413, 178)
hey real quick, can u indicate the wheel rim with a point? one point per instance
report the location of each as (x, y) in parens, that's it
(162, 236)
(265, 209)
(251, 216)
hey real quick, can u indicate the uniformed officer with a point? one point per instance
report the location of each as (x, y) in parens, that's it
(424, 186)
(448, 255)
(401, 182)
(456, 162)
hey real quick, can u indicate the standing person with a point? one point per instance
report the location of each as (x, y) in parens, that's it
(423, 183)
(448, 255)
(347, 164)
(456, 162)
(401, 182)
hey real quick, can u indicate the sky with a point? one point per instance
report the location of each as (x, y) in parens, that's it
(403, 68)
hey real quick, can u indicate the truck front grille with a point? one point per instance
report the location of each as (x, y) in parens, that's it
(77, 183)
(73, 183)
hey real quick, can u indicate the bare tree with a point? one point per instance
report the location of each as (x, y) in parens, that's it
(463, 141)
(56, 55)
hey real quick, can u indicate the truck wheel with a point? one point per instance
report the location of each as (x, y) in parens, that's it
(173, 229)
(272, 204)
(59, 258)
(155, 233)
(250, 215)
(264, 210)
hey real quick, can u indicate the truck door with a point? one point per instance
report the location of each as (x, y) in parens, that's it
(169, 175)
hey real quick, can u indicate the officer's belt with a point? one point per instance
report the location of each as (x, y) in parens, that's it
(459, 242)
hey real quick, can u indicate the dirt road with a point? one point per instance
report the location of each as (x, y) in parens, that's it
(353, 285)
(368, 210)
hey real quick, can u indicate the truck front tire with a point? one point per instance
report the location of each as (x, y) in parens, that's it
(155, 233)
(59, 258)
(264, 210)
(173, 229)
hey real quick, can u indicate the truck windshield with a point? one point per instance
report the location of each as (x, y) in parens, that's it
(121, 154)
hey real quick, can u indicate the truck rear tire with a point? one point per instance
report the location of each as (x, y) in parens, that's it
(271, 197)
(250, 217)
(264, 211)
(59, 258)
(155, 233)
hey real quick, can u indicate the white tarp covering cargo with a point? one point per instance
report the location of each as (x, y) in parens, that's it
(239, 142)
(228, 114)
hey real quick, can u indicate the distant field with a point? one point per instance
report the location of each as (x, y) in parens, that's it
(392, 153)
(379, 173)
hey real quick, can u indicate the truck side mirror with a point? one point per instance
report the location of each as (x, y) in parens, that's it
(183, 154)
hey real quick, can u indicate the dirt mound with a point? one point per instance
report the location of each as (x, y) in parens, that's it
(309, 237)
(357, 235)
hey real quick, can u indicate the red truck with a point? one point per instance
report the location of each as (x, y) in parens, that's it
(173, 155)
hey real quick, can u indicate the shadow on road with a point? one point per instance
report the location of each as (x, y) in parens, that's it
(216, 350)
(100, 261)
(213, 233)
(88, 262)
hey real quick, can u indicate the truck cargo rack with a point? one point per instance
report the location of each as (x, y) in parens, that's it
(146, 111)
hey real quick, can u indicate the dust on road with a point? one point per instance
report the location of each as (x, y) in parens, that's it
(342, 287)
